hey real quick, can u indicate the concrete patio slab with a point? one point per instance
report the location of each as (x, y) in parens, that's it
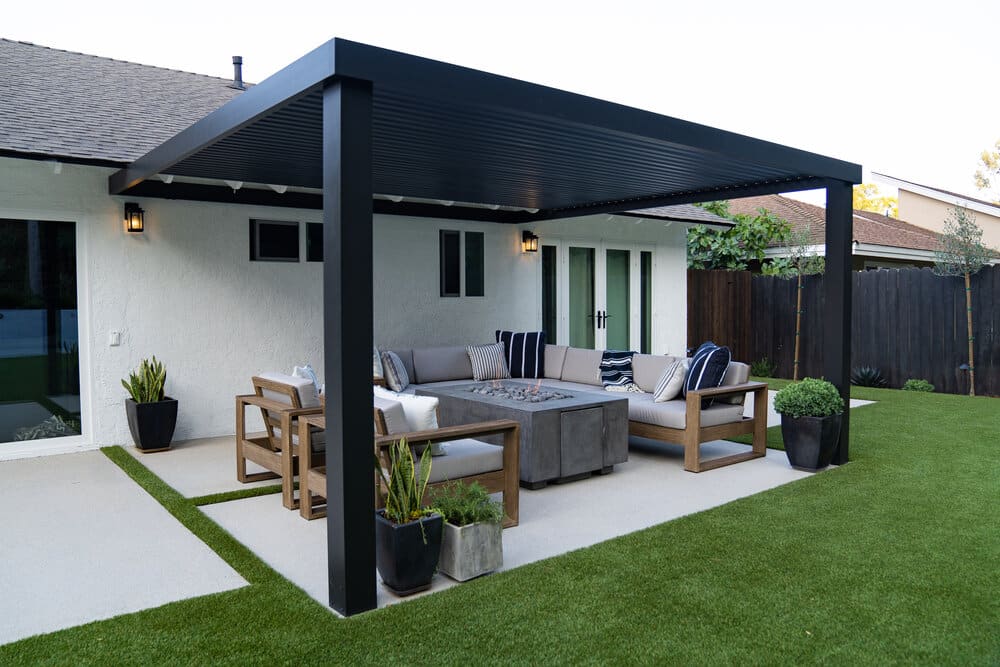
(83, 542)
(652, 487)
(199, 467)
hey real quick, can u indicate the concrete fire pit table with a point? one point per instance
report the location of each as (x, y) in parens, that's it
(569, 436)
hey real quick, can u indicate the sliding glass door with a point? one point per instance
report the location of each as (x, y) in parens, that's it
(39, 349)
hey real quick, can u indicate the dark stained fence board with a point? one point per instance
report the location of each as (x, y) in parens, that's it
(909, 323)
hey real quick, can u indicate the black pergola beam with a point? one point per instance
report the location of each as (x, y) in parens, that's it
(837, 306)
(347, 343)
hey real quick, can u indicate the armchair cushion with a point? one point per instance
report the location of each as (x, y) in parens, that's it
(308, 398)
(392, 411)
(465, 457)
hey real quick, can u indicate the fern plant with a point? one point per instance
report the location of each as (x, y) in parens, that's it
(465, 504)
(867, 376)
(763, 368)
(405, 485)
(145, 385)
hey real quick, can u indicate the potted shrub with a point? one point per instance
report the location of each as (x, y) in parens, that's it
(810, 422)
(151, 415)
(472, 544)
(407, 533)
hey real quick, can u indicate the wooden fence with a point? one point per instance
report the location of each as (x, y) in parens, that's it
(909, 323)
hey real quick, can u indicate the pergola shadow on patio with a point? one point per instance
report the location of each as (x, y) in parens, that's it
(349, 122)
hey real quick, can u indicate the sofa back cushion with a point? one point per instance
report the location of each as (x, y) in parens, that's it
(582, 366)
(737, 373)
(555, 355)
(437, 364)
(647, 369)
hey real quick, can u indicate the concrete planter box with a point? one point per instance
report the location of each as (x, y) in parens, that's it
(471, 551)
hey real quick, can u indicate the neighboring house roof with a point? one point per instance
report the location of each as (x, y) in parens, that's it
(87, 108)
(869, 228)
(688, 213)
(990, 208)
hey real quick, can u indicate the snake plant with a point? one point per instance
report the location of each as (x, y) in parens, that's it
(145, 385)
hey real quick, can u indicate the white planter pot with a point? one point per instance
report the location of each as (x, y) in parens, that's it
(470, 551)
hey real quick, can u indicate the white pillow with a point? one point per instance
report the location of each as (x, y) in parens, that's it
(670, 383)
(420, 411)
(306, 372)
(395, 417)
(376, 363)
(308, 398)
(395, 371)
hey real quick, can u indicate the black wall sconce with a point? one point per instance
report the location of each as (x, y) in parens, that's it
(529, 242)
(133, 217)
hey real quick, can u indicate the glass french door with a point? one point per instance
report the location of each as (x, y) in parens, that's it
(606, 296)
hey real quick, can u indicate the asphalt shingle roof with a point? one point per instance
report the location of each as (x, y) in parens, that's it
(683, 213)
(871, 228)
(74, 105)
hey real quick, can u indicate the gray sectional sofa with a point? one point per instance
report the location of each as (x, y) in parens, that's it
(680, 421)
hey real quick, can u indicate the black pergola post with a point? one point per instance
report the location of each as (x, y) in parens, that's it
(837, 309)
(347, 336)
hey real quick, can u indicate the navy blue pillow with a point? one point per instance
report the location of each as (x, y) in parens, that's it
(525, 353)
(707, 369)
(616, 368)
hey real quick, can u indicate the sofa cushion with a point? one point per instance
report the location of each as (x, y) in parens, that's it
(463, 458)
(406, 356)
(582, 366)
(737, 373)
(392, 411)
(420, 411)
(555, 355)
(396, 375)
(437, 364)
(672, 414)
(670, 382)
(708, 367)
(377, 371)
(616, 369)
(488, 362)
(525, 352)
(647, 369)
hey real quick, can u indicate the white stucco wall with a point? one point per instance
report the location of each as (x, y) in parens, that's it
(186, 291)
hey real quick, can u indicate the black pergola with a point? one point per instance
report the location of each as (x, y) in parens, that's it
(355, 121)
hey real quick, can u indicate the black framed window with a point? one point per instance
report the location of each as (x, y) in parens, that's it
(314, 242)
(451, 262)
(274, 241)
(475, 269)
(549, 304)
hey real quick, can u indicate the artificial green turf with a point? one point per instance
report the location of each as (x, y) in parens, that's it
(240, 494)
(893, 558)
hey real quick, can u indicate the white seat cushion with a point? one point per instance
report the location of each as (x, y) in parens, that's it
(395, 416)
(672, 414)
(465, 457)
(308, 397)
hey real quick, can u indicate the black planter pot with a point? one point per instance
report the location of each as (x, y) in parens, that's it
(810, 441)
(404, 562)
(152, 424)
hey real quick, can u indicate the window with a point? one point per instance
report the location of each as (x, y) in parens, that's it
(39, 349)
(549, 292)
(646, 299)
(274, 241)
(314, 242)
(451, 272)
(474, 263)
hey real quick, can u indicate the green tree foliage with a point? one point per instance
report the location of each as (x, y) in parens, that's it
(962, 253)
(987, 176)
(868, 198)
(734, 248)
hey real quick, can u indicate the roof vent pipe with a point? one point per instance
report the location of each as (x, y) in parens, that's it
(238, 74)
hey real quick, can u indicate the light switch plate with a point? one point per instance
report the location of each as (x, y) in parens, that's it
(114, 338)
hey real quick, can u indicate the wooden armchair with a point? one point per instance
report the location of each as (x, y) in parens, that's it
(277, 450)
(312, 481)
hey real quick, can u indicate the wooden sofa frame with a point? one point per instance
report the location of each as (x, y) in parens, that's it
(694, 434)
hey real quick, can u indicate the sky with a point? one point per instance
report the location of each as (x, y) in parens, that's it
(908, 89)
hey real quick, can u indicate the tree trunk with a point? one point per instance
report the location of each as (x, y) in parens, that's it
(798, 328)
(968, 318)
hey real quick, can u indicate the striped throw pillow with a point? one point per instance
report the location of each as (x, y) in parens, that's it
(616, 369)
(395, 372)
(524, 352)
(670, 383)
(707, 369)
(488, 362)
